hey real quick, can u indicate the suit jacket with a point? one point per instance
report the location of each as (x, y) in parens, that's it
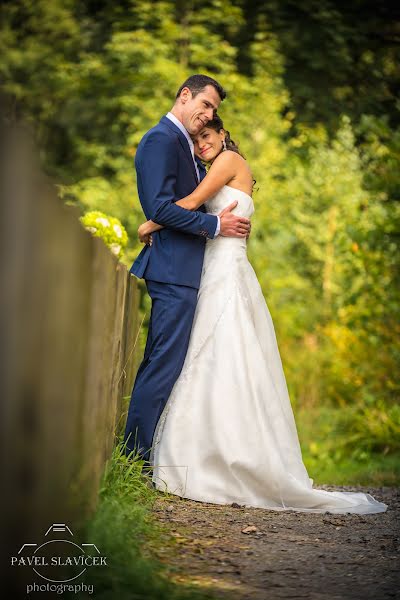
(166, 173)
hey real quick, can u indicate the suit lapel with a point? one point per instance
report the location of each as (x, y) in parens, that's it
(184, 143)
(201, 167)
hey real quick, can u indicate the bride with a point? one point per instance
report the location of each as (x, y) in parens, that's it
(227, 433)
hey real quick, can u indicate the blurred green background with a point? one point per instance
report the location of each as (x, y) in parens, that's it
(313, 102)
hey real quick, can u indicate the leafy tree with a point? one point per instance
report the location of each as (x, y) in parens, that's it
(312, 103)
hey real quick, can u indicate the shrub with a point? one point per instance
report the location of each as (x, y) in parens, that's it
(109, 229)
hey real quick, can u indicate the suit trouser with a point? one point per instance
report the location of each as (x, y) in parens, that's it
(171, 319)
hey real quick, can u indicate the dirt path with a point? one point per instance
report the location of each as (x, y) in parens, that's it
(284, 555)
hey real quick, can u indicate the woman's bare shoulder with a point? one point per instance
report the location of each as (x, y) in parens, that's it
(232, 167)
(229, 156)
(232, 155)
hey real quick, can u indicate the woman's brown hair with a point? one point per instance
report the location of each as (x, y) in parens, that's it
(217, 124)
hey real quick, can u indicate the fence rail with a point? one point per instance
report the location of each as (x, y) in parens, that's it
(68, 322)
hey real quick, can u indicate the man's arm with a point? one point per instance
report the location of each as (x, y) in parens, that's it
(222, 171)
(157, 169)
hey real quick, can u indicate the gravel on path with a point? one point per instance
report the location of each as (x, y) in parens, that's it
(242, 553)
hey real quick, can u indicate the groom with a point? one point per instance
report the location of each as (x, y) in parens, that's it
(167, 170)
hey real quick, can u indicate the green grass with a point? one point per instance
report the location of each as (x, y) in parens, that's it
(125, 531)
(336, 452)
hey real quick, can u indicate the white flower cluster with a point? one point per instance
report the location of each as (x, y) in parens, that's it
(110, 229)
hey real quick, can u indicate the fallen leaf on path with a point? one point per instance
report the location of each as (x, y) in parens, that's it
(250, 529)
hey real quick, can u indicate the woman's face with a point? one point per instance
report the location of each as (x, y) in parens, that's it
(208, 143)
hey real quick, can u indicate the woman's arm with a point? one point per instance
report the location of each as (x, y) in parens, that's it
(222, 171)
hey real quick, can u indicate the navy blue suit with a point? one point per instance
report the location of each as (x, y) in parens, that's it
(171, 267)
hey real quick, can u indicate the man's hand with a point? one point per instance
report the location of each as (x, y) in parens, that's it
(248, 235)
(233, 226)
(145, 237)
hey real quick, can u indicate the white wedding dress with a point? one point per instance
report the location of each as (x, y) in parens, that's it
(227, 433)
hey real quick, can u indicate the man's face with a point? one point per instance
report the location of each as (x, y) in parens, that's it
(198, 110)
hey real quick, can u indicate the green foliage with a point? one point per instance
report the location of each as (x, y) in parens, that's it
(340, 57)
(125, 530)
(351, 445)
(311, 101)
(370, 428)
(109, 229)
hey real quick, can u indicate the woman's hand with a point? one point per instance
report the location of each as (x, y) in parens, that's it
(144, 236)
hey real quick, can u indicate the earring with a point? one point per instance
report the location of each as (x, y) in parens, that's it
(224, 144)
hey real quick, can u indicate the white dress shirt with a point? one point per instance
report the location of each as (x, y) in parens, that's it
(182, 128)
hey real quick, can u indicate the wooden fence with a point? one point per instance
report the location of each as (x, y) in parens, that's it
(68, 323)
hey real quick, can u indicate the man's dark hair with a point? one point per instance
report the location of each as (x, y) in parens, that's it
(197, 83)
